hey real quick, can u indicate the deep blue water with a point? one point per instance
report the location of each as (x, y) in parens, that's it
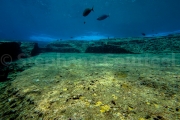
(62, 19)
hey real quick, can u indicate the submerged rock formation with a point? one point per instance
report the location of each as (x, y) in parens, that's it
(164, 44)
(15, 50)
(67, 46)
(4, 73)
(29, 49)
(11, 51)
(106, 49)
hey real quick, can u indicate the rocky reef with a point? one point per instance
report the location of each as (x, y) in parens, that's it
(67, 46)
(10, 48)
(11, 51)
(126, 85)
(29, 49)
(164, 44)
(94, 86)
(14, 50)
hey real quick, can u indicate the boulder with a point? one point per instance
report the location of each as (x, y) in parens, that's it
(4, 71)
(63, 47)
(9, 51)
(106, 49)
(29, 49)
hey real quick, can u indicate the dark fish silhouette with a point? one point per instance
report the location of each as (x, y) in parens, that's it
(102, 17)
(143, 34)
(87, 11)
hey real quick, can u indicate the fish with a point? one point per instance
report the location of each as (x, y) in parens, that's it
(102, 17)
(87, 11)
(143, 34)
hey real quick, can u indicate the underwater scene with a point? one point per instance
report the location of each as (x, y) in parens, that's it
(89, 60)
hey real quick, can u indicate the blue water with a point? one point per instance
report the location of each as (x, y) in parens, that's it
(47, 20)
(111, 79)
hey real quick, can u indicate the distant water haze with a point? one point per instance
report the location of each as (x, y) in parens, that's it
(62, 19)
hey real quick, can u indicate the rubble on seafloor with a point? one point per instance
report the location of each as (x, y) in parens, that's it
(94, 86)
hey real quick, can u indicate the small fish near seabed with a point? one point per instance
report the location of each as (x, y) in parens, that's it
(144, 34)
(87, 11)
(102, 17)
